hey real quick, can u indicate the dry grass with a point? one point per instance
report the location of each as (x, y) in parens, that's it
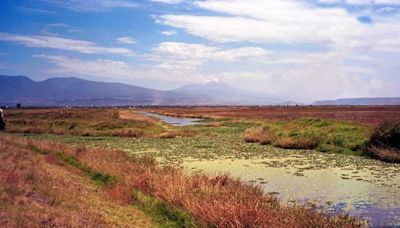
(42, 191)
(298, 142)
(258, 135)
(370, 115)
(385, 154)
(263, 136)
(89, 122)
(216, 201)
(82, 122)
(384, 142)
(176, 133)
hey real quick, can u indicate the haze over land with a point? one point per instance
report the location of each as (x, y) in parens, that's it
(279, 50)
(78, 92)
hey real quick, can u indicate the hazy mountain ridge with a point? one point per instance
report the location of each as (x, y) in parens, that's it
(78, 92)
(73, 91)
(225, 94)
(361, 101)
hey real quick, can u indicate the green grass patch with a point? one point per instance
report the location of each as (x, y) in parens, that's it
(163, 215)
(319, 134)
(97, 177)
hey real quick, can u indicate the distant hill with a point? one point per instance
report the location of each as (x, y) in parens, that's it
(77, 92)
(73, 91)
(221, 93)
(361, 101)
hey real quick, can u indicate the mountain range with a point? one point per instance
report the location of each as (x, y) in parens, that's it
(73, 91)
(361, 101)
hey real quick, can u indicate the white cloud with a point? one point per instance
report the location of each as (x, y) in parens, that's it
(168, 32)
(119, 71)
(186, 51)
(54, 42)
(286, 21)
(267, 21)
(126, 40)
(189, 58)
(98, 68)
(357, 59)
(362, 2)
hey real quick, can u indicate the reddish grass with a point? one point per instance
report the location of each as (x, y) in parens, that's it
(82, 122)
(264, 136)
(385, 154)
(217, 201)
(176, 133)
(129, 134)
(384, 142)
(258, 135)
(371, 115)
(41, 191)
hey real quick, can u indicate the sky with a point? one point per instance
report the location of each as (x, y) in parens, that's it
(302, 50)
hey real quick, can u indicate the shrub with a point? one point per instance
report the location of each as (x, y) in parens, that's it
(386, 134)
(384, 142)
(258, 135)
(251, 134)
(298, 142)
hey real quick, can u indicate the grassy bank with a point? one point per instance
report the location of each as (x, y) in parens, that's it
(216, 201)
(310, 133)
(37, 189)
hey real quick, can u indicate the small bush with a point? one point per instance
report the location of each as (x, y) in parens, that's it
(387, 135)
(258, 135)
(384, 142)
(298, 142)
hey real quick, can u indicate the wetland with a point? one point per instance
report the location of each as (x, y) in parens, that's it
(353, 184)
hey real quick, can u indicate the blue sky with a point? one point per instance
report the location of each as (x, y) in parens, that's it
(296, 49)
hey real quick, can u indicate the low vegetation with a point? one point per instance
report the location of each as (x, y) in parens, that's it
(89, 122)
(81, 122)
(311, 133)
(384, 142)
(215, 201)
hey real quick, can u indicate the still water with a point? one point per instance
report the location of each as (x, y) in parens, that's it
(174, 121)
(362, 187)
(371, 193)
